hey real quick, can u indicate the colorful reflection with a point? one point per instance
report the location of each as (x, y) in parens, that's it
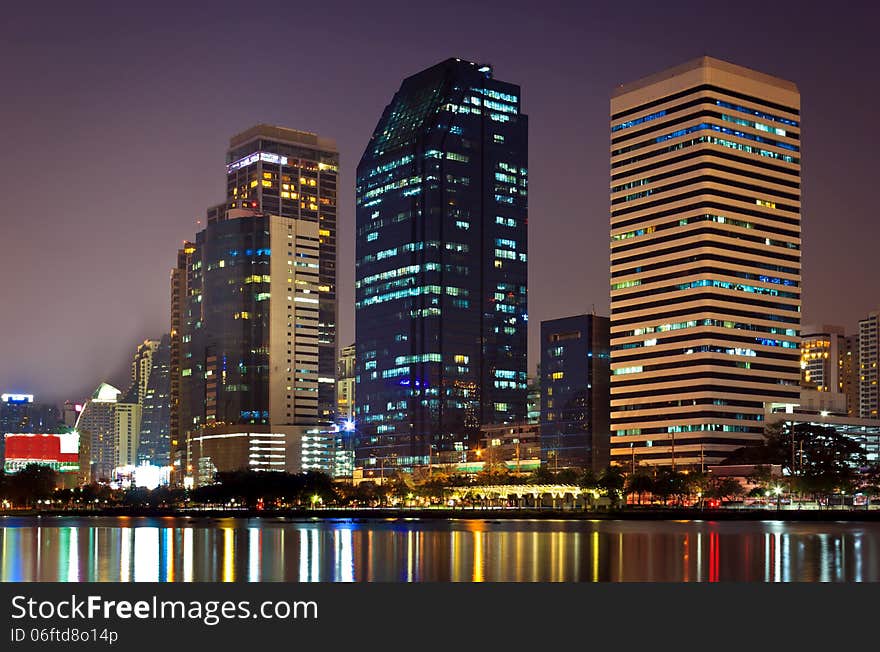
(396, 550)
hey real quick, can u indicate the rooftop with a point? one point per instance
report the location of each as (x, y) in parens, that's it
(284, 135)
(704, 62)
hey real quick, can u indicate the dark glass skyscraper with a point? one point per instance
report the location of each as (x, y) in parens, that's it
(441, 267)
(575, 392)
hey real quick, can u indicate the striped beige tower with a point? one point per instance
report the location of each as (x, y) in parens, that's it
(705, 261)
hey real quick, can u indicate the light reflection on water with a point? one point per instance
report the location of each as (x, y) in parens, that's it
(167, 549)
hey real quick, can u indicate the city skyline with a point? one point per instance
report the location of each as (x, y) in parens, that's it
(150, 193)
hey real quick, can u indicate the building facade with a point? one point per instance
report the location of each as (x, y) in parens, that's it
(869, 366)
(154, 445)
(705, 260)
(441, 266)
(575, 398)
(294, 174)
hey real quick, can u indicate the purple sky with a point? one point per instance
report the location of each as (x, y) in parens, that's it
(116, 118)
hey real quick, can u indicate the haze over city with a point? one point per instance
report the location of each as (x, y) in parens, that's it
(117, 120)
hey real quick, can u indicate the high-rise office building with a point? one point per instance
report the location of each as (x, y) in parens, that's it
(289, 173)
(869, 366)
(575, 382)
(154, 441)
(441, 268)
(249, 343)
(705, 260)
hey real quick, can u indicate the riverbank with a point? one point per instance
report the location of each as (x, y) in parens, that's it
(630, 513)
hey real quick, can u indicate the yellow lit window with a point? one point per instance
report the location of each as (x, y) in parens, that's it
(557, 375)
(267, 175)
(254, 183)
(285, 186)
(267, 184)
(285, 195)
(324, 232)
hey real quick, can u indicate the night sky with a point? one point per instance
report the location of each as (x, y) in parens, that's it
(116, 118)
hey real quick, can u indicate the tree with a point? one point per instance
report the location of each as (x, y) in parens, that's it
(611, 482)
(541, 475)
(639, 483)
(33, 482)
(725, 489)
(820, 458)
(493, 473)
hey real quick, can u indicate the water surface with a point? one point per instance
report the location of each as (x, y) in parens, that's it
(172, 549)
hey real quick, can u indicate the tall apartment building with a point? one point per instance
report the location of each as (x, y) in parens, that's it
(869, 371)
(293, 174)
(575, 383)
(705, 260)
(441, 266)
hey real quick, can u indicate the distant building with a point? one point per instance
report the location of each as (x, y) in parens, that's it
(70, 413)
(128, 417)
(516, 445)
(141, 367)
(154, 444)
(821, 348)
(575, 399)
(111, 422)
(869, 366)
(441, 266)
(20, 413)
(848, 374)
